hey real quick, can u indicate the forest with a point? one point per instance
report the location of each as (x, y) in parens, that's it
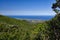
(13, 29)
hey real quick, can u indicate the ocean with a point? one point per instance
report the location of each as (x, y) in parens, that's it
(33, 17)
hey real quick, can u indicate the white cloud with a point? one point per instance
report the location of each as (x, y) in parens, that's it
(27, 13)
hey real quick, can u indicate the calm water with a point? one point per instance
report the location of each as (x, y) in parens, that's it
(33, 17)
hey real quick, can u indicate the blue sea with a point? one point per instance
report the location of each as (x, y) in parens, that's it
(33, 17)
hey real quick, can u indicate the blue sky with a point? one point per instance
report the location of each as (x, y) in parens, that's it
(26, 7)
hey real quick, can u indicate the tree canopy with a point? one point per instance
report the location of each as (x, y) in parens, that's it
(55, 6)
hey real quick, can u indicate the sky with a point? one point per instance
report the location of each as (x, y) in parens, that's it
(26, 7)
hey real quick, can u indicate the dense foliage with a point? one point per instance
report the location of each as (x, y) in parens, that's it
(13, 29)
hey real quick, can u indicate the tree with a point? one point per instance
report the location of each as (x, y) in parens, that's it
(56, 6)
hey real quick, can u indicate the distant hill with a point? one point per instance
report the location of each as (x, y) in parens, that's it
(14, 29)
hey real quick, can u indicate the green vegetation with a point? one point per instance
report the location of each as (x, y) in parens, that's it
(14, 29)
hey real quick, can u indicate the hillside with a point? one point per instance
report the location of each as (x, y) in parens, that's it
(13, 29)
